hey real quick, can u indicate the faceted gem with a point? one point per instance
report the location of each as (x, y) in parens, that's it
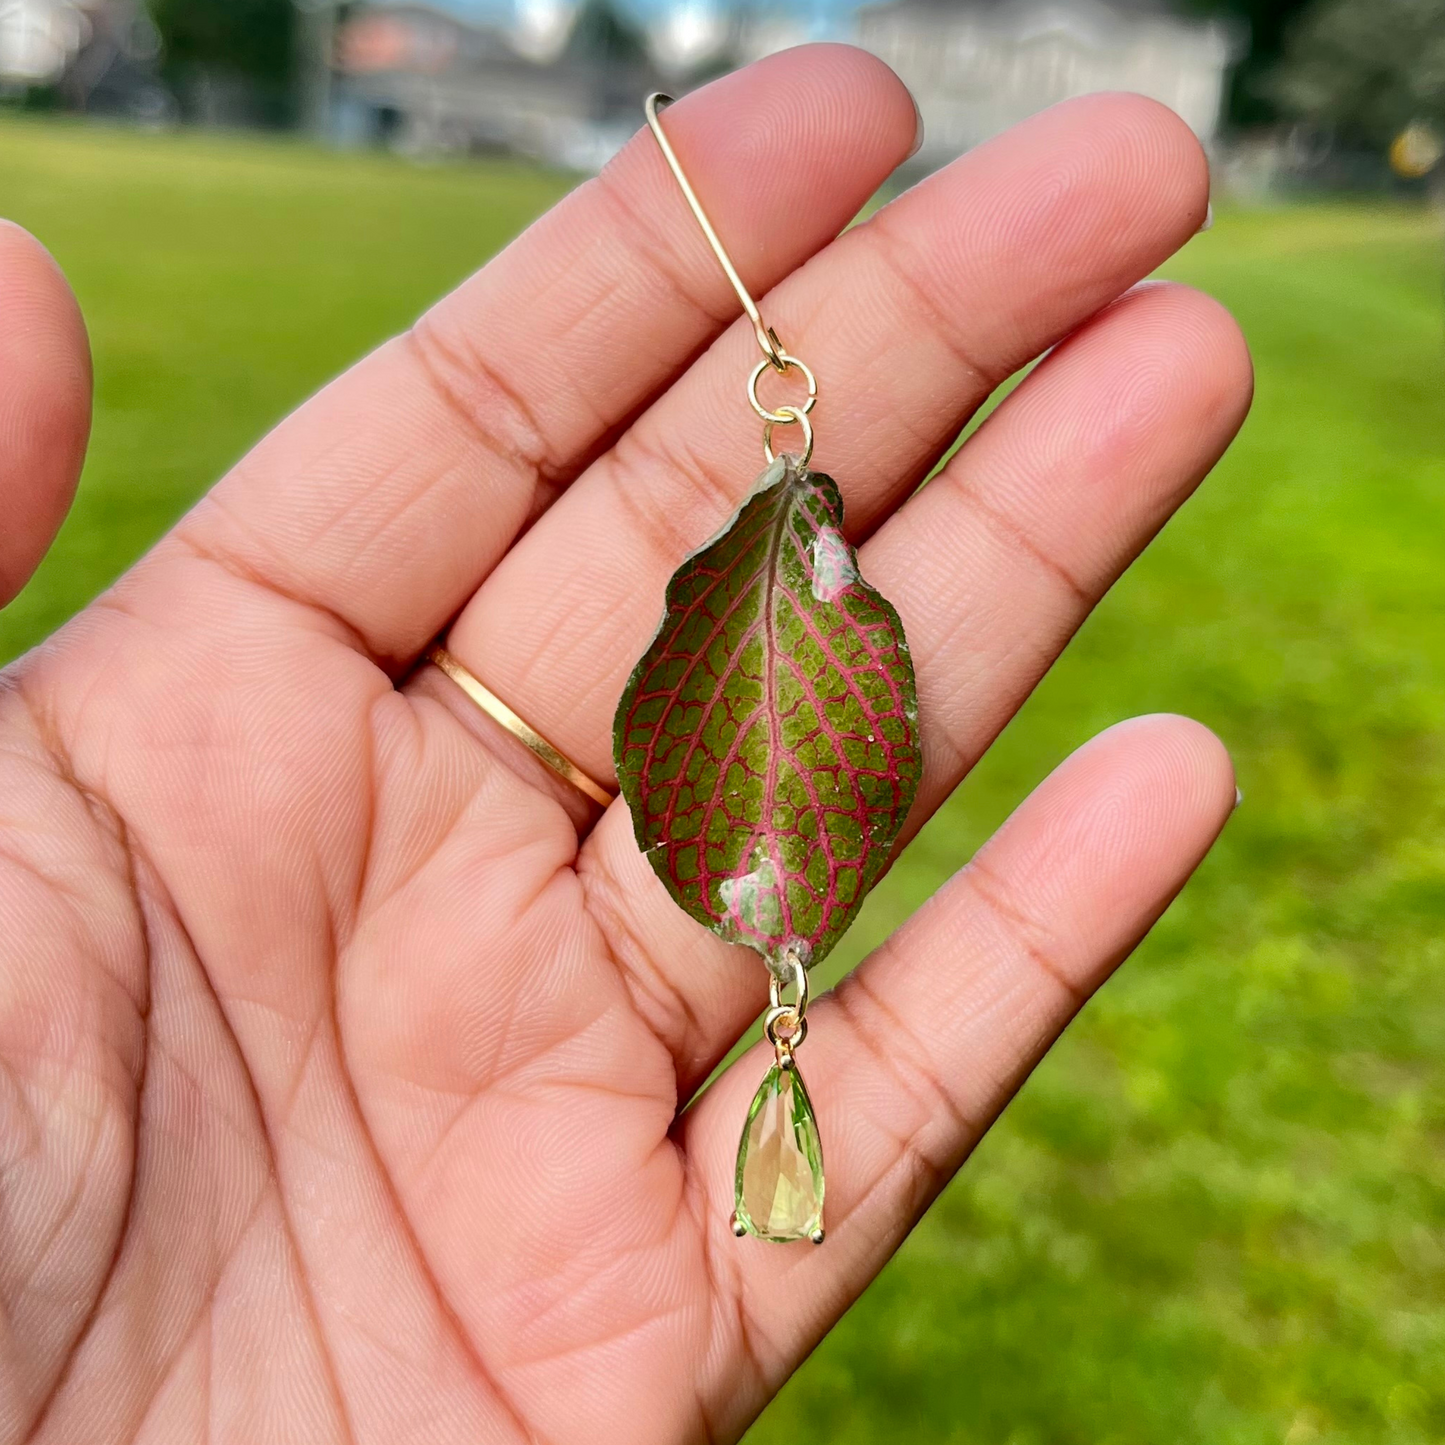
(780, 1162)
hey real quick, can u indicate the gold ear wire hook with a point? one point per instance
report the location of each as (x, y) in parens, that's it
(767, 337)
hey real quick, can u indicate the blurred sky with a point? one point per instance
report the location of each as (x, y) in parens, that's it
(824, 16)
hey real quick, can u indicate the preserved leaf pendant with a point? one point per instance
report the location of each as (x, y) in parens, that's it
(779, 1188)
(767, 742)
(767, 746)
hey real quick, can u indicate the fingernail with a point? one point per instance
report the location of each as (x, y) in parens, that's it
(1208, 219)
(917, 129)
(1238, 796)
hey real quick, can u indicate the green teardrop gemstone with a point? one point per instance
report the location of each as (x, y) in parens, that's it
(780, 1162)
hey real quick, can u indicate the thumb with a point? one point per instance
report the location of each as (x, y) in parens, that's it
(45, 386)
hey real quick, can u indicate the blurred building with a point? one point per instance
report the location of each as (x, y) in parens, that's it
(97, 56)
(562, 81)
(37, 40)
(977, 67)
(559, 82)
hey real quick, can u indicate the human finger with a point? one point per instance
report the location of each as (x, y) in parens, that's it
(911, 1059)
(909, 321)
(45, 386)
(992, 567)
(386, 500)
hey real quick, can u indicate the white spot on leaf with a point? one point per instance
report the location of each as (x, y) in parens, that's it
(751, 899)
(834, 570)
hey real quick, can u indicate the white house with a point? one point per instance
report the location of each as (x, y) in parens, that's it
(543, 84)
(100, 55)
(977, 66)
(39, 39)
(430, 75)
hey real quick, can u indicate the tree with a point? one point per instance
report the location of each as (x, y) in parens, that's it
(603, 34)
(1264, 23)
(253, 40)
(1366, 69)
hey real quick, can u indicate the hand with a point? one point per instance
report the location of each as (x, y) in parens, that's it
(343, 1046)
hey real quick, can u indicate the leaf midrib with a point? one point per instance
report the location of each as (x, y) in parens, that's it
(770, 700)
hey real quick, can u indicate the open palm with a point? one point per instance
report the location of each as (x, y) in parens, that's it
(344, 1048)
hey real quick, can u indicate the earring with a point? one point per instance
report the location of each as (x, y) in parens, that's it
(767, 746)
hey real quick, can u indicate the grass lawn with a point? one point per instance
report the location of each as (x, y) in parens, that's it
(1217, 1214)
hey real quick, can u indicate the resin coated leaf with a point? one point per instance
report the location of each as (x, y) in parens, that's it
(767, 742)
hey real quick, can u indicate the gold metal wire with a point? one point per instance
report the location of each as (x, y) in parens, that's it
(767, 338)
(773, 353)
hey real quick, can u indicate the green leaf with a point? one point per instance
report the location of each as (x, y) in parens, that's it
(767, 742)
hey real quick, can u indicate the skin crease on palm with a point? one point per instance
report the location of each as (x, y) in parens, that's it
(344, 1050)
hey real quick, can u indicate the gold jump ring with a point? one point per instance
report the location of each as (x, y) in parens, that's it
(799, 980)
(777, 417)
(797, 1029)
(789, 413)
(790, 1016)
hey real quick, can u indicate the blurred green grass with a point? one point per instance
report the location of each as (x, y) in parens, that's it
(1217, 1213)
(223, 280)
